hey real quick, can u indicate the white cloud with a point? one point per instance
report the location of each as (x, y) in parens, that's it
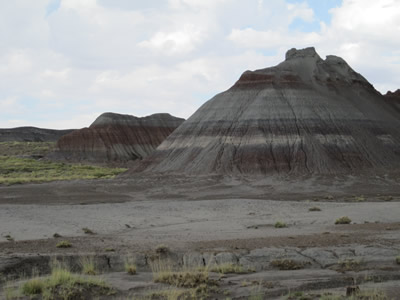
(143, 57)
(177, 42)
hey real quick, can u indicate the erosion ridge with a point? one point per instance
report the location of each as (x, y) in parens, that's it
(117, 137)
(31, 134)
(305, 115)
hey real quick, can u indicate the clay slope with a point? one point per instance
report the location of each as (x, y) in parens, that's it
(31, 134)
(116, 137)
(305, 115)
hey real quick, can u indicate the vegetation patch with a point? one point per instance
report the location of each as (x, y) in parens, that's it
(349, 265)
(15, 170)
(164, 273)
(162, 249)
(229, 268)
(130, 266)
(9, 238)
(26, 148)
(62, 284)
(88, 266)
(398, 259)
(280, 225)
(87, 230)
(64, 244)
(359, 198)
(314, 208)
(287, 264)
(343, 220)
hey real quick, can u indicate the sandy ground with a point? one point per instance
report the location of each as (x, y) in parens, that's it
(180, 221)
(209, 214)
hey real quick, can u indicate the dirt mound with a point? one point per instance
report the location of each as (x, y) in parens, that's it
(116, 137)
(305, 115)
(31, 134)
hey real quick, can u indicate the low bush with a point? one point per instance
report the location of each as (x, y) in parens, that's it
(343, 220)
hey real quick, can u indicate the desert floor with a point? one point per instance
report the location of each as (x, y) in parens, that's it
(211, 220)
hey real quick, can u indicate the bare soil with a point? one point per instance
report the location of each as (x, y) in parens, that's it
(223, 219)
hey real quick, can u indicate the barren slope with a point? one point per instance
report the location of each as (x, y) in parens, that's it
(115, 137)
(306, 115)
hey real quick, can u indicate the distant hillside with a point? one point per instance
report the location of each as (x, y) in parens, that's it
(117, 138)
(31, 134)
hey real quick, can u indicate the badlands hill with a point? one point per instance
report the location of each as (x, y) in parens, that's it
(116, 137)
(305, 115)
(31, 134)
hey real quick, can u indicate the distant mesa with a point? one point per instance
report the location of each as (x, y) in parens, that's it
(117, 138)
(305, 115)
(31, 134)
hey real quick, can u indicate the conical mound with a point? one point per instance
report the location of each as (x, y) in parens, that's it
(116, 137)
(305, 115)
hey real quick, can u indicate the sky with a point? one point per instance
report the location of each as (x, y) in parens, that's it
(64, 62)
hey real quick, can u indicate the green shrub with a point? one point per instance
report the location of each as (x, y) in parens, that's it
(343, 220)
(87, 230)
(280, 224)
(64, 244)
(315, 208)
(34, 286)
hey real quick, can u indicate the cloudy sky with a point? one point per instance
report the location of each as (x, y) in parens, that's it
(64, 62)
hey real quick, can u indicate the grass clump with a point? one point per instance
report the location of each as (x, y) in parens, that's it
(280, 224)
(349, 265)
(34, 286)
(88, 266)
(11, 291)
(62, 284)
(130, 266)
(314, 208)
(287, 264)
(162, 249)
(229, 268)
(164, 273)
(398, 259)
(359, 198)
(17, 170)
(64, 244)
(87, 230)
(343, 220)
(9, 238)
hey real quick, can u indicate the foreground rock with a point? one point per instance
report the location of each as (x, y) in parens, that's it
(305, 115)
(31, 134)
(116, 137)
